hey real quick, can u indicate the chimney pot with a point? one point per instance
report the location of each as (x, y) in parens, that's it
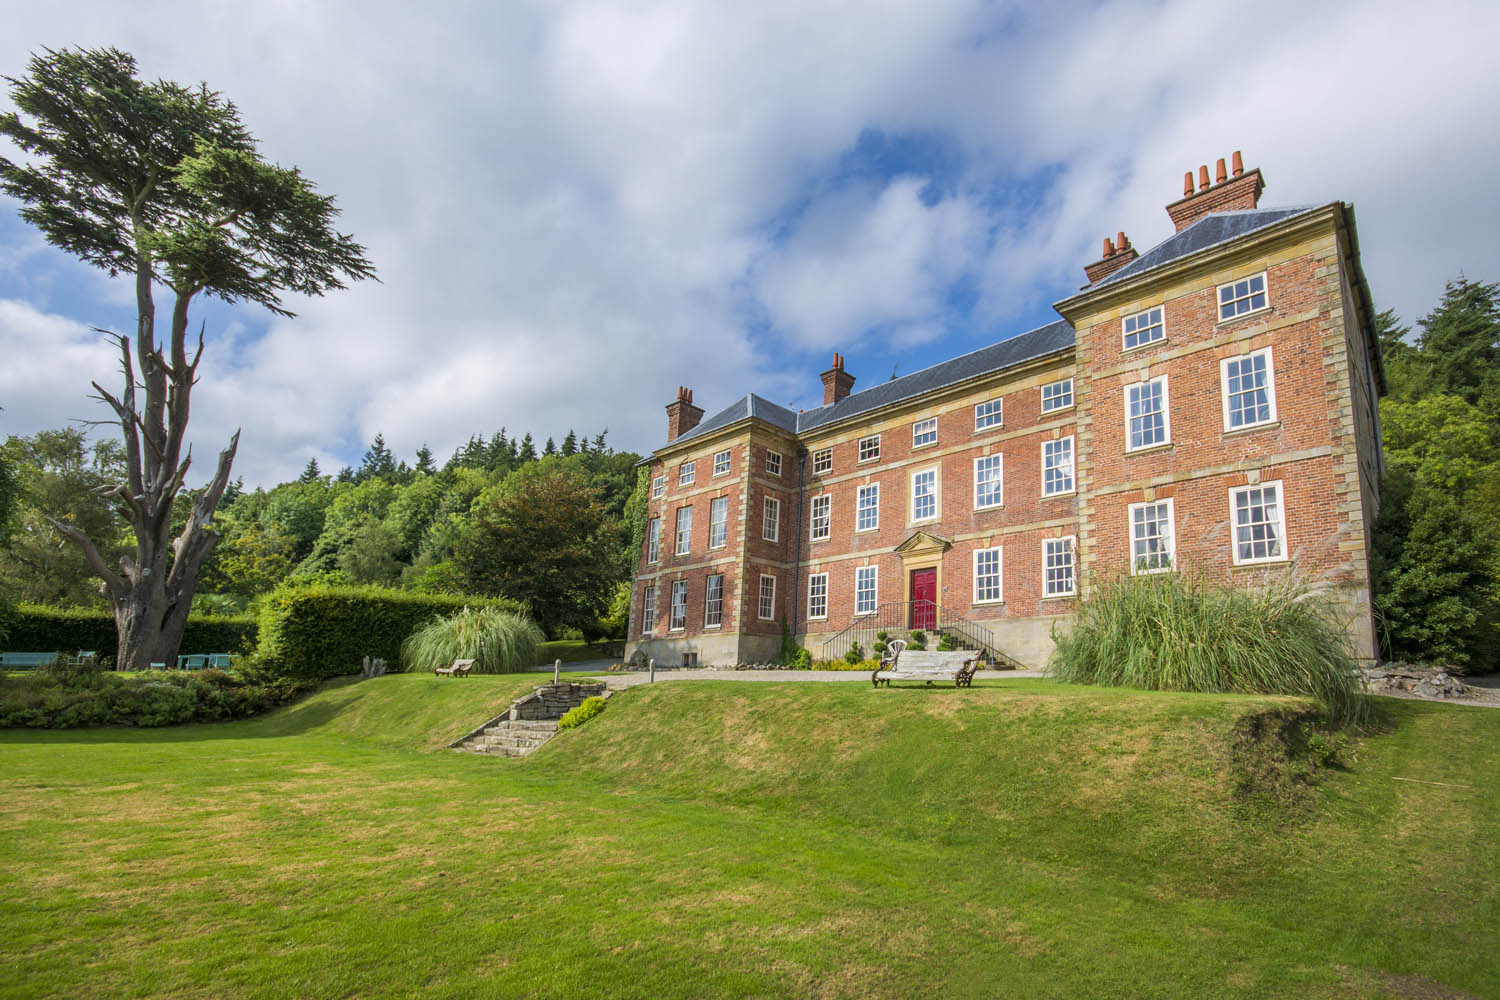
(1203, 177)
(1240, 192)
(682, 415)
(837, 383)
(1122, 242)
(1220, 174)
(1187, 184)
(1237, 163)
(1109, 249)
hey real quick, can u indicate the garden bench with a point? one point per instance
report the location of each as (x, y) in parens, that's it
(459, 668)
(221, 661)
(193, 662)
(26, 661)
(901, 664)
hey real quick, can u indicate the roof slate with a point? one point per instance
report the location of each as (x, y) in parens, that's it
(1211, 230)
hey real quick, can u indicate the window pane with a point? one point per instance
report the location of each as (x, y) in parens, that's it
(1151, 537)
(868, 507)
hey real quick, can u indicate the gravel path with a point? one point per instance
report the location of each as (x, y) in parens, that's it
(621, 681)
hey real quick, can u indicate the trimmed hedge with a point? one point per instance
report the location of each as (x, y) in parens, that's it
(321, 631)
(32, 628)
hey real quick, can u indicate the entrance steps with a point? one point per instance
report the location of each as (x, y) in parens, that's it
(530, 721)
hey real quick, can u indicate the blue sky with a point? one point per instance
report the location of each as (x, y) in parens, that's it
(577, 206)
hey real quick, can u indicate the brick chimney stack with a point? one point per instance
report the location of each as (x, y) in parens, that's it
(837, 383)
(1233, 190)
(682, 415)
(1116, 255)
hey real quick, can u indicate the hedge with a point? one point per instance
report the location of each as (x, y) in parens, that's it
(33, 628)
(321, 631)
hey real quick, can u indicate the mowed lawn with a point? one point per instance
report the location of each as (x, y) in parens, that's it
(704, 839)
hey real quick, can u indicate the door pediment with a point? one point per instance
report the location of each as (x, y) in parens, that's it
(922, 543)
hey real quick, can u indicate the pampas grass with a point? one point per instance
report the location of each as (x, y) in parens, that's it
(1173, 632)
(499, 642)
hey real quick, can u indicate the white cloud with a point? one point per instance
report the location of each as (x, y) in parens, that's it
(573, 205)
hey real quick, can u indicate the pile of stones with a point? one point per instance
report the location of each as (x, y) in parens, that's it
(1424, 682)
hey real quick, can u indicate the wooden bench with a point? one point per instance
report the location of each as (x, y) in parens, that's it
(459, 668)
(902, 664)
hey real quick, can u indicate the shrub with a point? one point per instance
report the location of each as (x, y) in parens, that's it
(856, 654)
(583, 713)
(945, 643)
(498, 641)
(69, 694)
(323, 630)
(1171, 632)
(39, 629)
(918, 639)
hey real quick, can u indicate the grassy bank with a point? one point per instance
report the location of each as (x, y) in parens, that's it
(722, 839)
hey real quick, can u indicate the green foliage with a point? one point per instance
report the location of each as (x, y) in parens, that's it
(10, 500)
(945, 643)
(1460, 343)
(637, 509)
(1434, 557)
(57, 475)
(576, 717)
(856, 654)
(1170, 632)
(323, 630)
(616, 622)
(918, 639)
(39, 629)
(1433, 562)
(544, 536)
(792, 656)
(497, 640)
(70, 695)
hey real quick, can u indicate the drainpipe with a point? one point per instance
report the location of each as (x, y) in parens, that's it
(797, 563)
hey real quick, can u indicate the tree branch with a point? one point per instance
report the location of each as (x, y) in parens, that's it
(112, 581)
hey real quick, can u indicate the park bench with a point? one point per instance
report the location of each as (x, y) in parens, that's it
(901, 664)
(459, 668)
(192, 662)
(26, 661)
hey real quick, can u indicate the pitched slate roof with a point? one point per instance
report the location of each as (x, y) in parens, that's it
(1036, 343)
(749, 406)
(1209, 231)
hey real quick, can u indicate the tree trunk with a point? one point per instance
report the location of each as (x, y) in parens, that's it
(152, 592)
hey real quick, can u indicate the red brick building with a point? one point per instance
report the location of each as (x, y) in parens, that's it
(1208, 405)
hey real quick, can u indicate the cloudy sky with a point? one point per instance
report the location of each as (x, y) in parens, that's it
(577, 206)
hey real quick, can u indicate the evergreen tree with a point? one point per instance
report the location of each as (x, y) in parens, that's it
(528, 449)
(346, 475)
(599, 442)
(1461, 342)
(570, 444)
(311, 473)
(162, 184)
(378, 462)
(424, 461)
(550, 448)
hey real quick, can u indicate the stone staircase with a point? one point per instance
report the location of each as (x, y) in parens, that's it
(511, 737)
(530, 721)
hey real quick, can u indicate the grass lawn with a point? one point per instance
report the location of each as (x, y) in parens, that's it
(567, 650)
(718, 839)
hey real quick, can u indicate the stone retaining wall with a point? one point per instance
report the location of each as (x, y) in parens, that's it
(553, 701)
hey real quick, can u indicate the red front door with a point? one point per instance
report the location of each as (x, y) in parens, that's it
(924, 598)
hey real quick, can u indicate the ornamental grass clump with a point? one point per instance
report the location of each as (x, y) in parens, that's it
(1174, 632)
(498, 641)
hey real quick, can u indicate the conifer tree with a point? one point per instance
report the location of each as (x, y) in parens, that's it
(310, 473)
(162, 183)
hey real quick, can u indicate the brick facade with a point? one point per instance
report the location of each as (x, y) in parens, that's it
(1318, 451)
